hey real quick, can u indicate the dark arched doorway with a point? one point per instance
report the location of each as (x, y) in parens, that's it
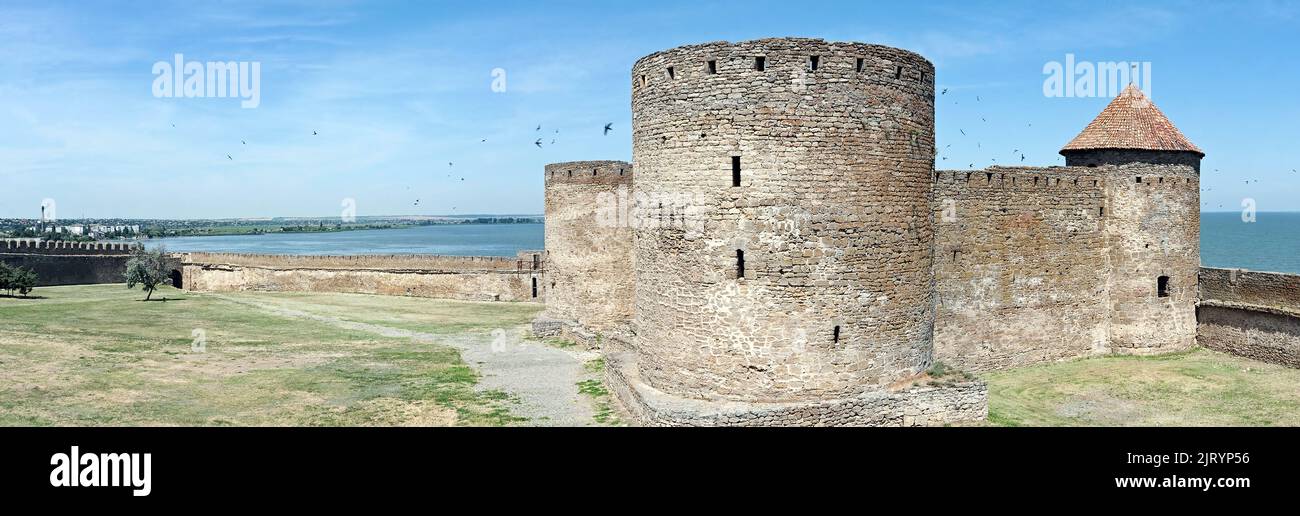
(177, 279)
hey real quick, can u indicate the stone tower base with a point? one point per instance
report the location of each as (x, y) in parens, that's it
(546, 327)
(916, 406)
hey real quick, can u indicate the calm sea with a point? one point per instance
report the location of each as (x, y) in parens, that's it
(449, 239)
(1271, 243)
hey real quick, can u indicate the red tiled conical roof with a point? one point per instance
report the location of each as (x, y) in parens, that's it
(1131, 121)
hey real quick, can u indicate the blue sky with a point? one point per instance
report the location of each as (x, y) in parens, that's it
(397, 90)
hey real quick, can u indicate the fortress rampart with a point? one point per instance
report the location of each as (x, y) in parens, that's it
(1020, 266)
(1040, 264)
(472, 278)
(1251, 314)
(68, 263)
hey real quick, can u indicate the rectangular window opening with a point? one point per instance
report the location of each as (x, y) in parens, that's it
(713, 66)
(760, 63)
(1162, 286)
(735, 171)
(861, 62)
(534, 287)
(672, 74)
(740, 263)
(836, 335)
(813, 61)
(898, 72)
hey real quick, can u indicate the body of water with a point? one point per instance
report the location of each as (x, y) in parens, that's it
(446, 239)
(1271, 243)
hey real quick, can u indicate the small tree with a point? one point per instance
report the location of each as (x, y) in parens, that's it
(17, 279)
(6, 277)
(147, 269)
(24, 281)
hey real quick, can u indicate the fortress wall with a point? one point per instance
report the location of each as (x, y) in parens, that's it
(833, 145)
(1153, 231)
(68, 263)
(1250, 314)
(384, 262)
(589, 245)
(444, 277)
(1020, 266)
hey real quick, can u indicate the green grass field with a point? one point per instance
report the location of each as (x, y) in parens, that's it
(97, 355)
(1195, 388)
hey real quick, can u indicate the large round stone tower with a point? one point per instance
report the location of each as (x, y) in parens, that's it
(783, 242)
(589, 245)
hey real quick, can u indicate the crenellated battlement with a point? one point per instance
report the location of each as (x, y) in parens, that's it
(1022, 177)
(803, 63)
(35, 246)
(589, 172)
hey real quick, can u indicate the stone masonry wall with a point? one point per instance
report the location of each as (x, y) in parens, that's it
(1099, 157)
(1037, 265)
(1250, 314)
(833, 146)
(68, 263)
(589, 244)
(1153, 231)
(961, 403)
(1020, 266)
(445, 277)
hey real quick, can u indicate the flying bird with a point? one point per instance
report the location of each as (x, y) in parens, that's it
(230, 158)
(944, 92)
(243, 142)
(539, 127)
(609, 127)
(313, 133)
(963, 132)
(538, 143)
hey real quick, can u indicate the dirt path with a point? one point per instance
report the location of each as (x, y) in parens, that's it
(544, 379)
